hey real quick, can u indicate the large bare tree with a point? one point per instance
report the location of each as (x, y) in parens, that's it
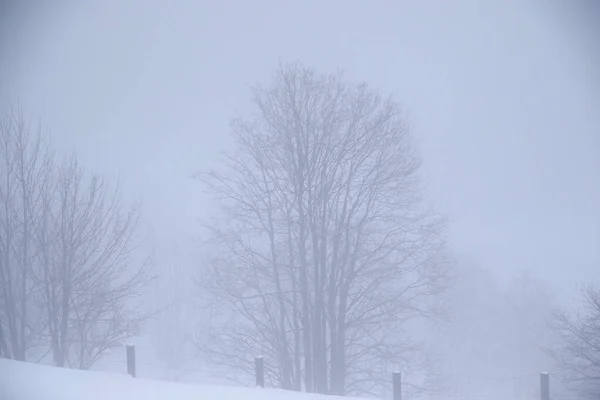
(578, 349)
(324, 248)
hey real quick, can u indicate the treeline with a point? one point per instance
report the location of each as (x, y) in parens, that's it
(67, 283)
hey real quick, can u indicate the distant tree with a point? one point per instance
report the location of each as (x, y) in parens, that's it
(530, 304)
(325, 249)
(474, 344)
(578, 349)
(172, 319)
(496, 339)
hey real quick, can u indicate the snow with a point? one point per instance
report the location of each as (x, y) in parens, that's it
(26, 381)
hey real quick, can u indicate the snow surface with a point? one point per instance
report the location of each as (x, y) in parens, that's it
(26, 381)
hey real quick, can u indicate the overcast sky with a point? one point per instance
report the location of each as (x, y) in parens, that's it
(502, 97)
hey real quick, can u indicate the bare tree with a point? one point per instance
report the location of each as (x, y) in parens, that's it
(89, 279)
(67, 279)
(578, 351)
(25, 159)
(325, 249)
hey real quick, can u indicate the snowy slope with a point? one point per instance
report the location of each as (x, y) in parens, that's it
(24, 381)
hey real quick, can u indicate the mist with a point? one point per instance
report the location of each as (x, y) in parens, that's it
(478, 237)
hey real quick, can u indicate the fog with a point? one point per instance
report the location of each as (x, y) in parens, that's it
(501, 101)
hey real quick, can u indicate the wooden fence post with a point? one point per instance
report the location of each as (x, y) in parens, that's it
(545, 386)
(397, 385)
(259, 371)
(130, 360)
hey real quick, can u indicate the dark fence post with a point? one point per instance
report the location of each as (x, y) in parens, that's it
(545, 386)
(259, 371)
(397, 384)
(131, 360)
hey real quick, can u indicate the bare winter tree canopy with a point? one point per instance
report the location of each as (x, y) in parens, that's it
(578, 348)
(324, 249)
(67, 283)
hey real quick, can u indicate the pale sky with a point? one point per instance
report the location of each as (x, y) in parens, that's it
(502, 97)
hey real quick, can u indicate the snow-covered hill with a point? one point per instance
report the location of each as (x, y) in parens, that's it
(25, 381)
